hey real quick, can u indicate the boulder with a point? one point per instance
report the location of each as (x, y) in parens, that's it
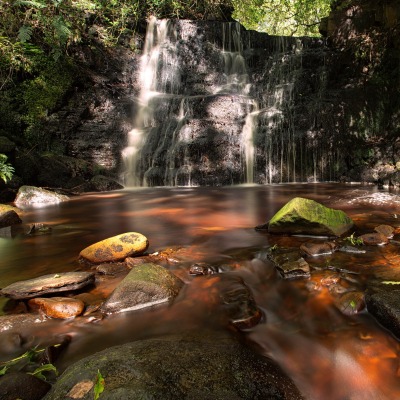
(31, 195)
(9, 218)
(307, 217)
(187, 366)
(58, 307)
(100, 183)
(51, 283)
(383, 303)
(115, 248)
(145, 285)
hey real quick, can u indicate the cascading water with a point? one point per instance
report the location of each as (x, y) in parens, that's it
(220, 105)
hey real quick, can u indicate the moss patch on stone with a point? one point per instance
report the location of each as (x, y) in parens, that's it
(305, 216)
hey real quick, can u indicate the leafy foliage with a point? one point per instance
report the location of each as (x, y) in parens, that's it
(282, 17)
(99, 386)
(6, 170)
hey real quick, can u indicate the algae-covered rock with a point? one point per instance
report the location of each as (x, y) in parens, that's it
(115, 248)
(307, 217)
(203, 366)
(146, 285)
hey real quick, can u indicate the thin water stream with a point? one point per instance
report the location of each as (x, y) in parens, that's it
(329, 355)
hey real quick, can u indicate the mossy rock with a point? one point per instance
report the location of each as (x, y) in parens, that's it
(146, 285)
(308, 217)
(115, 248)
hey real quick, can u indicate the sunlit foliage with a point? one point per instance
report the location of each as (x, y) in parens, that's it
(282, 17)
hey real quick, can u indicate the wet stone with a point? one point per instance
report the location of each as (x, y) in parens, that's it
(19, 321)
(317, 249)
(115, 248)
(39, 229)
(202, 269)
(9, 218)
(350, 303)
(374, 239)
(352, 250)
(146, 285)
(46, 284)
(112, 269)
(31, 195)
(385, 230)
(58, 307)
(294, 269)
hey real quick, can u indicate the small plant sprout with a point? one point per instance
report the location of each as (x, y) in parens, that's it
(354, 240)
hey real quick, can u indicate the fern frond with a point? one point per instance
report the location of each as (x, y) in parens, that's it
(29, 3)
(61, 29)
(25, 33)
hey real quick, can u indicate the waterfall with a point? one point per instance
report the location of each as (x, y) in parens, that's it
(219, 105)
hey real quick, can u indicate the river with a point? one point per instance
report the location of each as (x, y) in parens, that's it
(329, 355)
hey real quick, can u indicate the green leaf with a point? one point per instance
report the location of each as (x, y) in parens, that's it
(38, 372)
(29, 3)
(3, 370)
(99, 386)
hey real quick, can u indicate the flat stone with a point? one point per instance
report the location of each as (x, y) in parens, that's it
(317, 249)
(186, 366)
(307, 217)
(374, 239)
(58, 307)
(351, 303)
(112, 268)
(352, 250)
(294, 269)
(31, 195)
(51, 283)
(146, 285)
(115, 248)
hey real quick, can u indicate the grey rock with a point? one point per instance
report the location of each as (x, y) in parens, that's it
(31, 195)
(18, 321)
(146, 285)
(51, 283)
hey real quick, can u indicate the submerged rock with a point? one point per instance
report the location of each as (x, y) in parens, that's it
(386, 230)
(201, 268)
(350, 303)
(51, 283)
(58, 307)
(31, 195)
(146, 285)
(115, 248)
(307, 217)
(18, 321)
(289, 263)
(203, 366)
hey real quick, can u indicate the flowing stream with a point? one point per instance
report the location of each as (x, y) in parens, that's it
(329, 355)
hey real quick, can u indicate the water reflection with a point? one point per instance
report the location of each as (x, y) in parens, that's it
(329, 355)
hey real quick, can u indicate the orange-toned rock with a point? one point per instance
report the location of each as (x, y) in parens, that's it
(115, 248)
(58, 307)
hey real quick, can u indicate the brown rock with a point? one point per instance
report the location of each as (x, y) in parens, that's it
(58, 307)
(18, 321)
(9, 218)
(385, 230)
(317, 249)
(116, 248)
(374, 239)
(351, 303)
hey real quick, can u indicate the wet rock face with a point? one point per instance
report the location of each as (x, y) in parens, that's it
(9, 218)
(58, 307)
(179, 367)
(305, 216)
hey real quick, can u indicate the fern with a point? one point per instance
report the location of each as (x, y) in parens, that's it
(29, 3)
(61, 29)
(25, 33)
